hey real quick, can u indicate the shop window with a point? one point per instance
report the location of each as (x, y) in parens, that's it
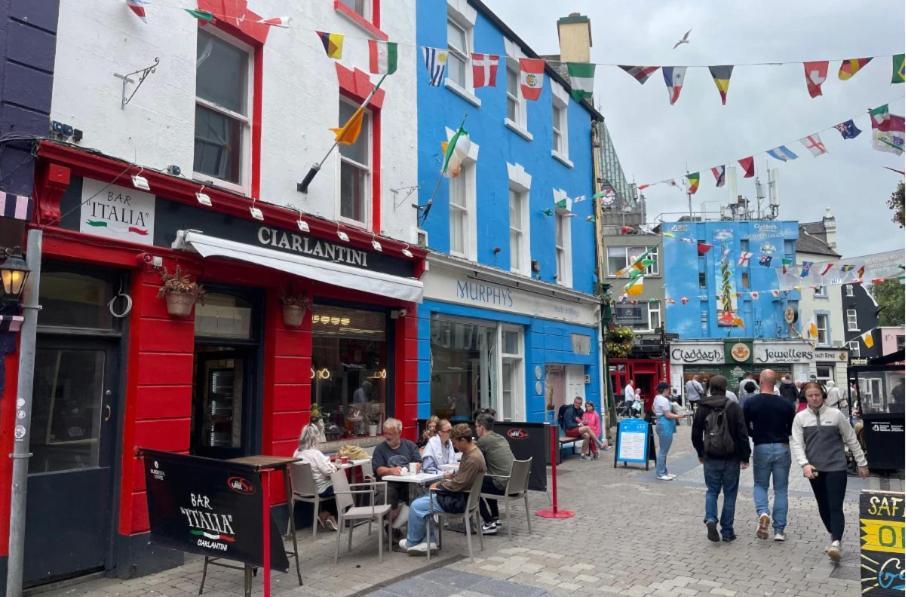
(349, 370)
(355, 169)
(901, 342)
(464, 360)
(459, 70)
(75, 300)
(511, 376)
(855, 349)
(224, 316)
(222, 104)
(824, 373)
(823, 323)
(852, 320)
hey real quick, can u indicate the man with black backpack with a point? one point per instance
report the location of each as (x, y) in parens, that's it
(720, 438)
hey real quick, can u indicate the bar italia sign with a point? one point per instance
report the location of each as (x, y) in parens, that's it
(117, 212)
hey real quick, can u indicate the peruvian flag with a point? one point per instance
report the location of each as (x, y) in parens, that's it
(815, 75)
(484, 70)
(138, 7)
(531, 77)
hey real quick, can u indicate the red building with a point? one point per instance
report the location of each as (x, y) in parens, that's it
(115, 371)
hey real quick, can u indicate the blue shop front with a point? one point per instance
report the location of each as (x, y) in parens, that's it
(491, 339)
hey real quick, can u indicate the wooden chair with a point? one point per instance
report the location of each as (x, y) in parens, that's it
(302, 481)
(349, 515)
(516, 488)
(470, 514)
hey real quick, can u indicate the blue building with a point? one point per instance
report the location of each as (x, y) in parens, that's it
(510, 320)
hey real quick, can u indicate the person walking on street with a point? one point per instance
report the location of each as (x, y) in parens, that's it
(819, 434)
(694, 391)
(747, 389)
(787, 388)
(665, 429)
(719, 436)
(630, 394)
(769, 419)
(833, 395)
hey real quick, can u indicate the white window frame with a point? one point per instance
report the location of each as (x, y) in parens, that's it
(467, 181)
(563, 252)
(855, 349)
(653, 270)
(852, 320)
(516, 361)
(825, 329)
(520, 125)
(520, 183)
(651, 311)
(849, 290)
(821, 292)
(560, 102)
(463, 17)
(243, 186)
(341, 159)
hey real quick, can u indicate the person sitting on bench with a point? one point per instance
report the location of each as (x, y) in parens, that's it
(573, 427)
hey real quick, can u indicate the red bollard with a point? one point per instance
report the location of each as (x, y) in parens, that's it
(554, 512)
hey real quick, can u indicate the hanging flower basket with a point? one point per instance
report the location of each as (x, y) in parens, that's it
(180, 291)
(294, 307)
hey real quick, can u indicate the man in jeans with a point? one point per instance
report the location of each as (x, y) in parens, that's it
(769, 419)
(665, 429)
(721, 469)
(498, 458)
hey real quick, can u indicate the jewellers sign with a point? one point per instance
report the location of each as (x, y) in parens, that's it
(116, 212)
(208, 507)
(784, 353)
(697, 354)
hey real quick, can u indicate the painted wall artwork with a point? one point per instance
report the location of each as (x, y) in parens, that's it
(727, 310)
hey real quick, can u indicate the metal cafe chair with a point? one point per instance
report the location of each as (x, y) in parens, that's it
(304, 490)
(349, 515)
(516, 488)
(470, 514)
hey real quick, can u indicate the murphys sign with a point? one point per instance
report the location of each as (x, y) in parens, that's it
(116, 212)
(209, 507)
(882, 543)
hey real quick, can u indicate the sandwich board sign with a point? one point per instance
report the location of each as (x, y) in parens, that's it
(632, 442)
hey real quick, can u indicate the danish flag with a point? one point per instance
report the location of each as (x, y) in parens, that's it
(813, 143)
(484, 70)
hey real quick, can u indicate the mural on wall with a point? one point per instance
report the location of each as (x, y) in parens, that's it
(726, 285)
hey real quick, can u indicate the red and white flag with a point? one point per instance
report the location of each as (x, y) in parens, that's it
(484, 70)
(138, 7)
(775, 293)
(815, 75)
(827, 267)
(720, 175)
(744, 258)
(813, 143)
(531, 77)
(748, 166)
(754, 295)
(673, 77)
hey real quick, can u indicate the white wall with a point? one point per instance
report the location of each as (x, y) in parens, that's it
(300, 95)
(833, 304)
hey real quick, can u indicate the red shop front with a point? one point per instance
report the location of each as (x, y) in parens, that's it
(116, 370)
(646, 373)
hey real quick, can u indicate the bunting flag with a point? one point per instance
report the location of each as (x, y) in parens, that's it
(640, 73)
(827, 267)
(850, 67)
(673, 77)
(684, 299)
(349, 132)
(748, 166)
(16, 207)
(275, 22)
(670, 301)
(848, 129)
(887, 130)
(382, 57)
(703, 248)
(721, 76)
(813, 143)
(693, 179)
(868, 339)
(765, 260)
(897, 76)
(787, 261)
(455, 151)
(860, 272)
(815, 75)
(333, 44)
(201, 15)
(806, 266)
(436, 63)
(581, 79)
(560, 203)
(744, 259)
(531, 77)
(754, 295)
(782, 153)
(720, 175)
(775, 293)
(635, 287)
(138, 7)
(484, 70)
(589, 218)
(812, 328)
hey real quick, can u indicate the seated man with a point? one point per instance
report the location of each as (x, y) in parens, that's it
(573, 427)
(389, 458)
(499, 460)
(450, 495)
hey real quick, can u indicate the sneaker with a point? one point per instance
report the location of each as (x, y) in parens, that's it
(713, 535)
(489, 529)
(421, 548)
(402, 518)
(764, 521)
(664, 478)
(671, 475)
(833, 551)
(404, 544)
(779, 536)
(729, 538)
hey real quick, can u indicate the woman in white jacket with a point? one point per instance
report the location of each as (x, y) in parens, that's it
(439, 447)
(321, 469)
(819, 435)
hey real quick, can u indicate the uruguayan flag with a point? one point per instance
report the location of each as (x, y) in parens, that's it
(436, 63)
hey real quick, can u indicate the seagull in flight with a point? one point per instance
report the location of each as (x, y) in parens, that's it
(685, 40)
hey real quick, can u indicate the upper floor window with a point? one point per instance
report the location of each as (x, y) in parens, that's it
(821, 292)
(621, 257)
(462, 212)
(654, 315)
(355, 169)
(852, 320)
(365, 14)
(514, 105)
(849, 290)
(855, 349)
(744, 245)
(360, 7)
(458, 56)
(519, 249)
(557, 120)
(559, 126)
(222, 103)
(562, 242)
(823, 323)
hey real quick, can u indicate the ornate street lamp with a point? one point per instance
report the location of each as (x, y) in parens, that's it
(13, 274)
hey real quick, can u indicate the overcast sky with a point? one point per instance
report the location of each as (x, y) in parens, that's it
(766, 106)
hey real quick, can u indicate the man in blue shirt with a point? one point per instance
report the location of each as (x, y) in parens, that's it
(573, 427)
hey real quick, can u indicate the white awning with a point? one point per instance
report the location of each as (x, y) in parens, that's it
(336, 274)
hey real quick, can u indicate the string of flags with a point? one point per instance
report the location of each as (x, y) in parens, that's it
(888, 135)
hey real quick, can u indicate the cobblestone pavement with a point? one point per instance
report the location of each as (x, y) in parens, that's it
(632, 535)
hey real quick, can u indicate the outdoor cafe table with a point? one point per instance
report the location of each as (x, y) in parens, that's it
(415, 480)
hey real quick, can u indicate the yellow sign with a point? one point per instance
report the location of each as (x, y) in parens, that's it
(883, 535)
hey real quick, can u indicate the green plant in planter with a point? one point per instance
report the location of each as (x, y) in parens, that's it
(619, 341)
(180, 283)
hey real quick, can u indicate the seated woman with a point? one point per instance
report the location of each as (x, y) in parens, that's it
(440, 448)
(321, 469)
(429, 431)
(592, 420)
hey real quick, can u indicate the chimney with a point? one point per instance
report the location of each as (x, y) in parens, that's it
(574, 32)
(830, 228)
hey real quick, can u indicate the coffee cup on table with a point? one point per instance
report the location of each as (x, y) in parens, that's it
(414, 467)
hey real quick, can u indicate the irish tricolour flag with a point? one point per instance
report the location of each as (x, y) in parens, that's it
(582, 79)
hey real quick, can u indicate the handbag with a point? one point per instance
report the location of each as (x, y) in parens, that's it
(453, 502)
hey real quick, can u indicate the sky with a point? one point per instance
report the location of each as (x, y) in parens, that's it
(766, 105)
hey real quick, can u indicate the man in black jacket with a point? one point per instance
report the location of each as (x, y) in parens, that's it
(719, 416)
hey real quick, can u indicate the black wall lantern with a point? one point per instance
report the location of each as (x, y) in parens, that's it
(13, 274)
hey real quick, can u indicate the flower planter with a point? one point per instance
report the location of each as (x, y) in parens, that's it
(179, 304)
(293, 315)
(372, 429)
